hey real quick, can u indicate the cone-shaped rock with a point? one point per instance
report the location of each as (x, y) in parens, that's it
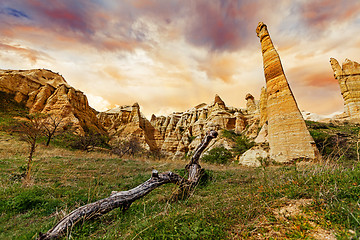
(219, 101)
(348, 77)
(289, 138)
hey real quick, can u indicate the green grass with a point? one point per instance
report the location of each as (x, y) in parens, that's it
(234, 202)
(241, 142)
(336, 141)
(8, 110)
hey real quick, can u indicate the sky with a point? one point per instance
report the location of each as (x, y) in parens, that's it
(170, 55)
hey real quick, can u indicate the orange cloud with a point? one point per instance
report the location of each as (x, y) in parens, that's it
(114, 73)
(30, 54)
(220, 66)
(323, 79)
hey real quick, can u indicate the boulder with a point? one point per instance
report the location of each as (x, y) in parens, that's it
(253, 156)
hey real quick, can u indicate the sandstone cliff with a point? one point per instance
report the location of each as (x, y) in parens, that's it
(288, 136)
(181, 132)
(44, 91)
(124, 122)
(348, 76)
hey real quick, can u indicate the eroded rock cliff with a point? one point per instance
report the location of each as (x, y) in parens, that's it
(125, 122)
(179, 133)
(348, 76)
(44, 91)
(289, 138)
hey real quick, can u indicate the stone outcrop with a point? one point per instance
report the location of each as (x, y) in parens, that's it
(185, 130)
(44, 91)
(125, 122)
(179, 133)
(348, 76)
(250, 104)
(254, 156)
(289, 138)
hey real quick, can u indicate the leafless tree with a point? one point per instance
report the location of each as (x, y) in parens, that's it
(89, 140)
(31, 130)
(127, 147)
(51, 127)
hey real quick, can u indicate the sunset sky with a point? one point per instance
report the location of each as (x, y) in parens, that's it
(170, 55)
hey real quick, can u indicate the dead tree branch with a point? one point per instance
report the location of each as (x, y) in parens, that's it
(124, 199)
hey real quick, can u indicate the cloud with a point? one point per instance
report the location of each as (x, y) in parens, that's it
(321, 79)
(322, 13)
(14, 12)
(32, 55)
(175, 54)
(220, 25)
(220, 66)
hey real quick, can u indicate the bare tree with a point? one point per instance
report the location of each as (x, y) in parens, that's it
(31, 130)
(51, 127)
(89, 141)
(124, 199)
(131, 147)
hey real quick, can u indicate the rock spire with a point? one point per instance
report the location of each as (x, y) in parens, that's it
(289, 138)
(348, 77)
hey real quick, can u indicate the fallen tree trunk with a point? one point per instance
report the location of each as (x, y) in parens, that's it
(124, 199)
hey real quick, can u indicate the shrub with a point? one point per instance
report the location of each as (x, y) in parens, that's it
(242, 143)
(335, 141)
(89, 140)
(218, 155)
(129, 147)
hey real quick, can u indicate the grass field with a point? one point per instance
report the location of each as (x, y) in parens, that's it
(276, 202)
(302, 201)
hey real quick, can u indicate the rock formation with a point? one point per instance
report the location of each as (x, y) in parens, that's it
(180, 132)
(124, 122)
(44, 91)
(250, 104)
(289, 138)
(253, 156)
(348, 77)
(263, 106)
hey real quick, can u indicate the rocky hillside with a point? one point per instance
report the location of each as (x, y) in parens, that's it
(43, 91)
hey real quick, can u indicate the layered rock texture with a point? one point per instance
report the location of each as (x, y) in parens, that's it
(288, 136)
(348, 76)
(125, 122)
(44, 91)
(180, 132)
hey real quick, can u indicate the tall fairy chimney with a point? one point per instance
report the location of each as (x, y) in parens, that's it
(289, 138)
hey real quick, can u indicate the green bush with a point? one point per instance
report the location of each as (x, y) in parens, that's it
(242, 143)
(219, 155)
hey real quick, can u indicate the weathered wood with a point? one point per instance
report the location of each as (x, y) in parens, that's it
(124, 199)
(194, 169)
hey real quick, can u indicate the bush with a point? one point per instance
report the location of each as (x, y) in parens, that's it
(336, 142)
(89, 140)
(218, 155)
(242, 143)
(129, 147)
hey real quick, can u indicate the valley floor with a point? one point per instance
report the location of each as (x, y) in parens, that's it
(306, 201)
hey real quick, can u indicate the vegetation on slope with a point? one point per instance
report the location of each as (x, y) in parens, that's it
(338, 142)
